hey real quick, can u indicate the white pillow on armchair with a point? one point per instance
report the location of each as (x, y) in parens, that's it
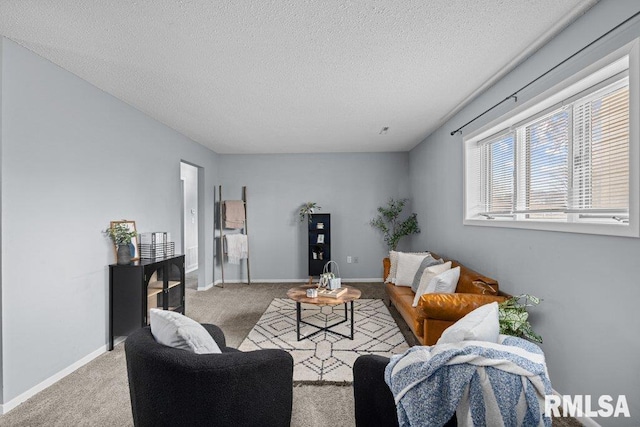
(178, 331)
(479, 325)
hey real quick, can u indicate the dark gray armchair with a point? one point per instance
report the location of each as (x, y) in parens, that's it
(374, 404)
(171, 387)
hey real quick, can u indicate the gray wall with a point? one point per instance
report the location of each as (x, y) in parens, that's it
(74, 158)
(590, 284)
(349, 186)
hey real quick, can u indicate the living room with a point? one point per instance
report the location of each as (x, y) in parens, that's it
(75, 157)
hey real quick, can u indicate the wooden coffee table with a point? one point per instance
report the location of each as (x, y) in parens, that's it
(299, 295)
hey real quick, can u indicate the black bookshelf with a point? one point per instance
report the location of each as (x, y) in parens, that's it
(319, 242)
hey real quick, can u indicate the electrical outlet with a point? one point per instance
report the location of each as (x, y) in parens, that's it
(349, 260)
(355, 259)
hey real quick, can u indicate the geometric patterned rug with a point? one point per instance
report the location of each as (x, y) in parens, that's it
(326, 358)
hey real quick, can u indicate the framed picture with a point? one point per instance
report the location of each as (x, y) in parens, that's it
(320, 238)
(135, 251)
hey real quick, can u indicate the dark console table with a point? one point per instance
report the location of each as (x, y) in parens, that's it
(139, 286)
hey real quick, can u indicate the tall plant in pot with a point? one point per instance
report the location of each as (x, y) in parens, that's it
(121, 236)
(389, 223)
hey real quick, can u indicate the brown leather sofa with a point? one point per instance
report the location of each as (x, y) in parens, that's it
(436, 312)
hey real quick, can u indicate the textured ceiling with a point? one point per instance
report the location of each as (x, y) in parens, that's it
(267, 76)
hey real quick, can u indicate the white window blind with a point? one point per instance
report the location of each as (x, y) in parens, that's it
(497, 176)
(545, 144)
(601, 152)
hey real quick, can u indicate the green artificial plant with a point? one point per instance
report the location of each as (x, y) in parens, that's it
(308, 209)
(514, 319)
(120, 234)
(389, 223)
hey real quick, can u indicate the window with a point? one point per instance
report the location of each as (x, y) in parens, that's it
(562, 161)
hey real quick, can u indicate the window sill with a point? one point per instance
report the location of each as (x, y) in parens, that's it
(619, 230)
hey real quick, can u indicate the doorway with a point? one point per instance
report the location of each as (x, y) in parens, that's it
(190, 223)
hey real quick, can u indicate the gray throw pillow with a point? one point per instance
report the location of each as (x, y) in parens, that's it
(427, 262)
(178, 331)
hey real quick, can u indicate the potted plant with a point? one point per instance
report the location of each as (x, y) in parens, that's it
(392, 228)
(121, 236)
(308, 209)
(514, 319)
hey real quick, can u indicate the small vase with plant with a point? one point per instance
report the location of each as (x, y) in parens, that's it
(121, 236)
(514, 319)
(308, 209)
(389, 223)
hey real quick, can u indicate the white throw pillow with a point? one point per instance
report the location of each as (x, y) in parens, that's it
(479, 325)
(444, 283)
(428, 274)
(408, 264)
(393, 268)
(175, 330)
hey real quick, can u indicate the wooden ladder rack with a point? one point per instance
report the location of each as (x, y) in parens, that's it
(245, 231)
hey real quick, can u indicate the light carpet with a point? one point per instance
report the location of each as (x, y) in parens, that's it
(97, 394)
(326, 358)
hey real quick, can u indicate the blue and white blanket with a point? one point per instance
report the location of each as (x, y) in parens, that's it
(485, 384)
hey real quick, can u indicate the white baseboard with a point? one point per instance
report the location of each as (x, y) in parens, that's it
(188, 270)
(206, 288)
(13, 403)
(302, 280)
(271, 281)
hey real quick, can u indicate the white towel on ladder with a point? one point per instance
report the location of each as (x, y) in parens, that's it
(237, 247)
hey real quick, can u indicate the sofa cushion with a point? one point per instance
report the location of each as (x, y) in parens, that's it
(408, 265)
(428, 274)
(453, 307)
(445, 282)
(393, 266)
(479, 325)
(175, 330)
